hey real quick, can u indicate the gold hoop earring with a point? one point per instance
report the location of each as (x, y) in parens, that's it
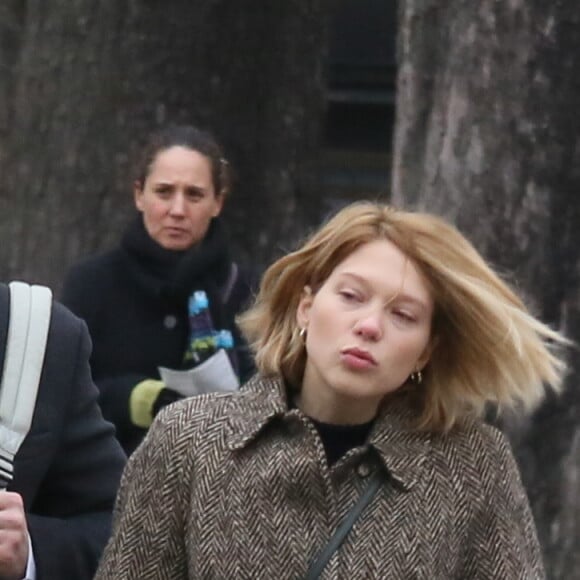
(416, 377)
(302, 332)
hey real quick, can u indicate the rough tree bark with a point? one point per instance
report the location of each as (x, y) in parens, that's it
(89, 80)
(62, 136)
(487, 135)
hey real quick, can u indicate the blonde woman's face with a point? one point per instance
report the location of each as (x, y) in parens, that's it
(178, 199)
(368, 326)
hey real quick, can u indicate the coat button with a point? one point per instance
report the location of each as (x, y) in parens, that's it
(170, 321)
(363, 470)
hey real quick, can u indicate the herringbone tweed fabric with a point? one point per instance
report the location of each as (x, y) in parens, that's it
(237, 486)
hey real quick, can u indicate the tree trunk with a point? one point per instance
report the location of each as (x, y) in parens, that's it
(487, 135)
(61, 147)
(90, 80)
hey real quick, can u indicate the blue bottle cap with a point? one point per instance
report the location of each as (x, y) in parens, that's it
(197, 302)
(225, 339)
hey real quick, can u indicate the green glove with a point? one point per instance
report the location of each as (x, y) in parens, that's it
(141, 401)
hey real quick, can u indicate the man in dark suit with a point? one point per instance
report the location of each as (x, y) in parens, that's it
(55, 515)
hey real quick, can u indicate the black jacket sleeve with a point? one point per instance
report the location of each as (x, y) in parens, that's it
(80, 293)
(115, 393)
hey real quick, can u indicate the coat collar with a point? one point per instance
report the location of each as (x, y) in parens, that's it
(402, 448)
(260, 401)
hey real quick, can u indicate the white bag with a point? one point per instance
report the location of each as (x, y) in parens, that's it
(29, 319)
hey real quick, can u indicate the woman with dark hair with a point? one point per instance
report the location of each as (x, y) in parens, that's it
(134, 299)
(358, 450)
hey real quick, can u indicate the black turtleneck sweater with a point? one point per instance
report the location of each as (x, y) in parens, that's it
(339, 439)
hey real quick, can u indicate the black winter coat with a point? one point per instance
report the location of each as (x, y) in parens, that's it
(134, 301)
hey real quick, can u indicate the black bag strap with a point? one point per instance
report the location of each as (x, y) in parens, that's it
(319, 563)
(226, 290)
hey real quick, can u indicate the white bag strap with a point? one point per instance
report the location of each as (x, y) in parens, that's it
(30, 309)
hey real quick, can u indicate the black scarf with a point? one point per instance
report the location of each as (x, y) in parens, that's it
(173, 275)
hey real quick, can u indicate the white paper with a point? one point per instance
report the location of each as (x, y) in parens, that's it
(179, 381)
(213, 375)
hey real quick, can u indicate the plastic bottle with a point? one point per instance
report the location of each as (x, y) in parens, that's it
(225, 340)
(202, 336)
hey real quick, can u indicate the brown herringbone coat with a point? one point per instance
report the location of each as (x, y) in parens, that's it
(237, 486)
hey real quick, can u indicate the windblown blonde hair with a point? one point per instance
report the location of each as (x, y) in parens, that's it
(487, 347)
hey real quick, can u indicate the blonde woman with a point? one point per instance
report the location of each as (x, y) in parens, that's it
(358, 450)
